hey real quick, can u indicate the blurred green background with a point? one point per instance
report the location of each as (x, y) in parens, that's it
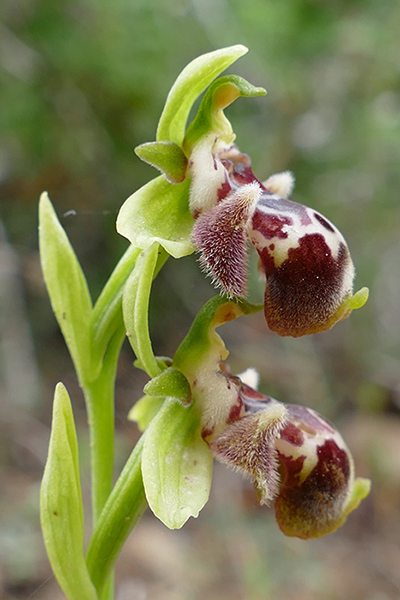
(82, 83)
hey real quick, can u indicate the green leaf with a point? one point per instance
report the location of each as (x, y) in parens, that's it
(135, 307)
(144, 411)
(106, 316)
(66, 285)
(158, 212)
(176, 464)
(211, 117)
(167, 157)
(61, 508)
(192, 82)
(123, 509)
(170, 382)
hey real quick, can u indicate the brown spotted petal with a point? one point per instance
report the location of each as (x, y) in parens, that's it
(318, 489)
(219, 235)
(248, 445)
(308, 269)
(304, 257)
(295, 457)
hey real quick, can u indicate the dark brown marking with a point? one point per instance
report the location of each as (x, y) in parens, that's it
(270, 226)
(324, 222)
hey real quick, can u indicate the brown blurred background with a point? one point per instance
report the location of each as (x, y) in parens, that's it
(82, 83)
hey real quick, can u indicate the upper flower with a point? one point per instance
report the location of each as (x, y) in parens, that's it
(210, 200)
(303, 256)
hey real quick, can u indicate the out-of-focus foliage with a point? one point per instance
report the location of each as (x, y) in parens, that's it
(82, 83)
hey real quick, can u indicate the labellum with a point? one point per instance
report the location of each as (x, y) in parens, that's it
(303, 256)
(296, 458)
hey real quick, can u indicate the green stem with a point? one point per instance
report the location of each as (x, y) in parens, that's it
(99, 396)
(123, 509)
(127, 502)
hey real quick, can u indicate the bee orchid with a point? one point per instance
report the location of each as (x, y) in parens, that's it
(296, 458)
(305, 259)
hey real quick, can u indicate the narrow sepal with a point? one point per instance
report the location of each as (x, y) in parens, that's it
(210, 116)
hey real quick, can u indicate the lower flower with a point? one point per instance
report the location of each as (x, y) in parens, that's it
(296, 458)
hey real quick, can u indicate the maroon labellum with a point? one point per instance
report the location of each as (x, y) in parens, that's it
(304, 258)
(296, 458)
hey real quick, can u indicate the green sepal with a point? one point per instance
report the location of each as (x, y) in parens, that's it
(144, 411)
(192, 82)
(211, 117)
(167, 157)
(170, 382)
(203, 344)
(66, 286)
(176, 464)
(135, 305)
(158, 212)
(61, 509)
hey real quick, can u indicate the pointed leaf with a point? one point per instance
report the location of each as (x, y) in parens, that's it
(61, 508)
(158, 212)
(66, 285)
(176, 464)
(192, 82)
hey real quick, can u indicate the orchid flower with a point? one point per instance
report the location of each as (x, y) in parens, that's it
(304, 258)
(297, 460)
